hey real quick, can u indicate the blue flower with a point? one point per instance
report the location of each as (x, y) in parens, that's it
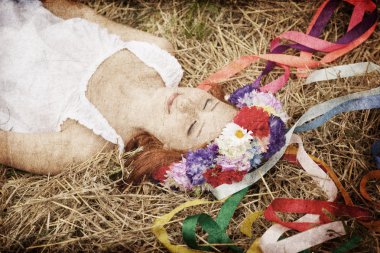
(256, 161)
(197, 162)
(239, 93)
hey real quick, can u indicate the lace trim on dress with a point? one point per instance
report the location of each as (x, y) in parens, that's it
(46, 63)
(160, 60)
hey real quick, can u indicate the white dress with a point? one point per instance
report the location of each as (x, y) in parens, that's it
(46, 63)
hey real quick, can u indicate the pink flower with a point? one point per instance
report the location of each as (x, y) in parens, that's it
(241, 163)
(177, 173)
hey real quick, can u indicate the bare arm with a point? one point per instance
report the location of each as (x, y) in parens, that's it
(50, 153)
(67, 9)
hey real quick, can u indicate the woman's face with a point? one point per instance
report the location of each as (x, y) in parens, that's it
(186, 118)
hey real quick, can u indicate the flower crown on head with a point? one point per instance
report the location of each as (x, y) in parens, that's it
(256, 133)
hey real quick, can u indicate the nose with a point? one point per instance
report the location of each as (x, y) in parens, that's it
(185, 105)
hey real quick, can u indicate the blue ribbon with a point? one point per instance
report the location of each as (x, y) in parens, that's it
(369, 102)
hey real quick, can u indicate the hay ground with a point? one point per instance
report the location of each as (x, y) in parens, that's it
(88, 208)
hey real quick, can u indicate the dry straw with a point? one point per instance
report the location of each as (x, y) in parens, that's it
(89, 208)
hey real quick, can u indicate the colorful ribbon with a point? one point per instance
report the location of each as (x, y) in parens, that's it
(296, 243)
(314, 112)
(369, 102)
(306, 239)
(372, 175)
(373, 225)
(162, 235)
(216, 229)
(362, 24)
(336, 72)
(325, 209)
(255, 247)
(291, 156)
(349, 245)
(269, 241)
(246, 225)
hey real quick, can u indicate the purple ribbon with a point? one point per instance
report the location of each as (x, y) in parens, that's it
(317, 29)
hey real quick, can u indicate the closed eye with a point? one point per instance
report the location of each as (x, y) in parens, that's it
(208, 101)
(191, 128)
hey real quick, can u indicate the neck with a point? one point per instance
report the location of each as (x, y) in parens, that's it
(120, 94)
(128, 109)
(141, 107)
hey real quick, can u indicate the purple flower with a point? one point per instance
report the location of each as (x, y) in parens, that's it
(197, 162)
(239, 93)
(238, 164)
(177, 172)
(257, 98)
(214, 149)
(277, 136)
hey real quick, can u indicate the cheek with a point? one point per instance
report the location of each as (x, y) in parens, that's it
(212, 129)
(221, 115)
(176, 138)
(171, 132)
(215, 121)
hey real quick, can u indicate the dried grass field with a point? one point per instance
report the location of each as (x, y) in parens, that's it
(90, 208)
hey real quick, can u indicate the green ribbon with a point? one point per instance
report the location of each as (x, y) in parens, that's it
(349, 245)
(216, 230)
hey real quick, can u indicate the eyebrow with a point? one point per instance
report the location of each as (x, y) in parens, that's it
(215, 105)
(191, 128)
(207, 101)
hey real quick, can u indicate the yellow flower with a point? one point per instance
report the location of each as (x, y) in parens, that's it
(239, 133)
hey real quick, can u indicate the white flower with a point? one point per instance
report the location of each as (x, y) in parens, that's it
(234, 141)
(236, 134)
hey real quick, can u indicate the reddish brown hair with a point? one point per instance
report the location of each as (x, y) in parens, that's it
(153, 156)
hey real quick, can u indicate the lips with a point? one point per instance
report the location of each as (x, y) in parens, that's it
(170, 100)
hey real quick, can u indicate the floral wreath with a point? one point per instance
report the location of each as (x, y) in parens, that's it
(256, 133)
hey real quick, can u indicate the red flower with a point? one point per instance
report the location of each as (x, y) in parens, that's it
(160, 173)
(216, 176)
(254, 119)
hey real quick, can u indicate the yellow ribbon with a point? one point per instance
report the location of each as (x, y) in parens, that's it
(162, 235)
(246, 225)
(246, 229)
(255, 247)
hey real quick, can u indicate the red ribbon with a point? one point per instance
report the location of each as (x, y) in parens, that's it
(324, 209)
(372, 224)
